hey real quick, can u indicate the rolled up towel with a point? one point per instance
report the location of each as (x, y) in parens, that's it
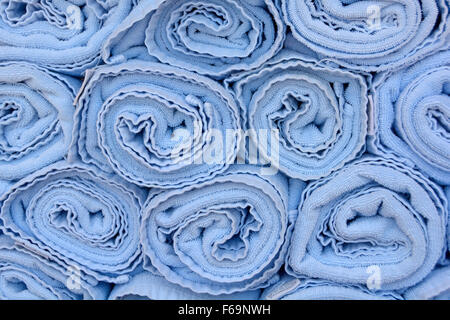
(211, 37)
(222, 236)
(27, 277)
(375, 222)
(65, 36)
(369, 35)
(436, 286)
(77, 217)
(155, 125)
(290, 288)
(146, 285)
(412, 115)
(320, 114)
(36, 118)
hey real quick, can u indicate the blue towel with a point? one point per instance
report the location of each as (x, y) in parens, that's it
(77, 217)
(146, 285)
(412, 116)
(154, 124)
(290, 288)
(373, 218)
(436, 286)
(222, 236)
(65, 36)
(27, 277)
(36, 119)
(320, 113)
(211, 37)
(369, 35)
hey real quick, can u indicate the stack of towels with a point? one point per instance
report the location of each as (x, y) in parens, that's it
(224, 149)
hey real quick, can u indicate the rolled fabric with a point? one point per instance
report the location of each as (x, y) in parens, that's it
(221, 236)
(36, 118)
(27, 277)
(412, 115)
(320, 114)
(213, 37)
(375, 222)
(137, 118)
(77, 217)
(290, 288)
(146, 285)
(436, 286)
(369, 35)
(64, 36)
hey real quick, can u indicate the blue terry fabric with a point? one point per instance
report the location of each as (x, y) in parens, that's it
(36, 119)
(129, 115)
(211, 37)
(436, 286)
(78, 217)
(222, 236)
(24, 276)
(64, 35)
(290, 288)
(320, 113)
(369, 35)
(411, 115)
(146, 285)
(373, 212)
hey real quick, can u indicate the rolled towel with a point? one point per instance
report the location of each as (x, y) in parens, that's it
(77, 217)
(65, 36)
(146, 285)
(213, 37)
(412, 115)
(155, 125)
(36, 119)
(27, 277)
(290, 288)
(222, 236)
(369, 35)
(375, 222)
(319, 113)
(436, 286)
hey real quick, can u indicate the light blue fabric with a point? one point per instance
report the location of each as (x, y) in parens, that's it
(63, 35)
(320, 113)
(290, 288)
(36, 118)
(146, 285)
(77, 217)
(222, 236)
(436, 286)
(211, 37)
(374, 213)
(27, 277)
(369, 35)
(129, 115)
(412, 115)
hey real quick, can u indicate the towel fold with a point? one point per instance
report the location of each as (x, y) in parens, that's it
(369, 35)
(221, 236)
(77, 217)
(436, 286)
(145, 285)
(27, 277)
(36, 118)
(290, 288)
(213, 37)
(412, 115)
(65, 36)
(320, 114)
(155, 125)
(374, 222)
